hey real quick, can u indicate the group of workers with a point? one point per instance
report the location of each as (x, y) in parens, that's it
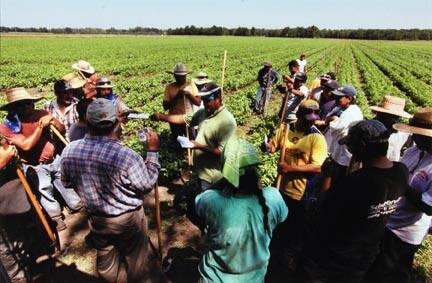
(352, 202)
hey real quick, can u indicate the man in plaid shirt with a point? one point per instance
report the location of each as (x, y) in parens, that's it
(112, 180)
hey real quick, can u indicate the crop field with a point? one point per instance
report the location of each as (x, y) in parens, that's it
(137, 66)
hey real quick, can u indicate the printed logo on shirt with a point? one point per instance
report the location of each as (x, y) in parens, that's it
(384, 208)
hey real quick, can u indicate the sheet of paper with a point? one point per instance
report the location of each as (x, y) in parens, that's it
(138, 116)
(184, 142)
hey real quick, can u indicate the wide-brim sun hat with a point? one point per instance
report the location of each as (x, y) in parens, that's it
(392, 105)
(18, 94)
(179, 70)
(103, 83)
(201, 78)
(83, 66)
(419, 124)
(74, 80)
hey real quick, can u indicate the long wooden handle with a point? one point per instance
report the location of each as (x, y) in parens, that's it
(223, 70)
(189, 152)
(35, 204)
(282, 157)
(158, 220)
(59, 135)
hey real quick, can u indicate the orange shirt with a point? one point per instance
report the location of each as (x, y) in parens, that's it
(43, 151)
(181, 105)
(89, 87)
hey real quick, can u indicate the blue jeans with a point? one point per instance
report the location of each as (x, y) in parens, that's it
(48, 181)
(260, 93)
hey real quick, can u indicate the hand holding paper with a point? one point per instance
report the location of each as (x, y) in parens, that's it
(185, 142)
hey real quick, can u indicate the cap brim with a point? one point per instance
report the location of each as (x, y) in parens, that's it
(312, 117)
(105, 86)
(201, 82)
(402, 114)
(209, 92)
(89, 71)
(412, 129)
(338, 93)
(177, 73)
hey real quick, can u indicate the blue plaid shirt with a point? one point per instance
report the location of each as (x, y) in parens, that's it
(110, 178)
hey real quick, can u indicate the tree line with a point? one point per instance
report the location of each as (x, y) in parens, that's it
(297, 32)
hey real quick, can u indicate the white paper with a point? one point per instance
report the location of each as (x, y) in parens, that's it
(265, 139)
(138, 116)
(184, 142)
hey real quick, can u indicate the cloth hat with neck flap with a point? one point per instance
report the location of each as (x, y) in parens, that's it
(237, 155)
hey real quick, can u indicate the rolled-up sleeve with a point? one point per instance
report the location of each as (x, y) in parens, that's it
(142, 174)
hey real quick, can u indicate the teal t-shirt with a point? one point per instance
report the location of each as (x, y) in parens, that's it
(237, 245)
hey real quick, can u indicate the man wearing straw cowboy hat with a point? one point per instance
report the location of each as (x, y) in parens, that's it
(76, 83)
(179, 97)
(113, 180)
(408, 226)
(104, 89)
(87, 72)
(201, 79)
(388, 112)
(27, 129)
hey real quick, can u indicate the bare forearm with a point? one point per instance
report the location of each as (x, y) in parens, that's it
(212, 150)
(196, 100)
(173, 119)
(59, 126)
(308, 168)
(28, 143)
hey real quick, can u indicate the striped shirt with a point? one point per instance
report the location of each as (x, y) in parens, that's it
(110, 178)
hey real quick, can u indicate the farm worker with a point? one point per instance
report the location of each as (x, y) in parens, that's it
(408, 226)
(78, 130)
(179, 97)
(297, 92)
(305, 151)
(201, 79)
(215, 126)
(346, 235)
(112, 181)
(326, 101)
(28, 130)
(293, 68)
(339, 120)
(389, 111)
(267, 77)
(316, 85)
(63, 107)
(88, 73)
(239, 219)
(302, 63)
(18, 250)
(76, 83)
(104, 90)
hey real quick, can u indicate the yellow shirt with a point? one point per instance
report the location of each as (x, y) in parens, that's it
(181, 105)
(300, 149)
(315, 83)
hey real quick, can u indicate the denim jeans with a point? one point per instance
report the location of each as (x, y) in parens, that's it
(49, 181)
(260, 93)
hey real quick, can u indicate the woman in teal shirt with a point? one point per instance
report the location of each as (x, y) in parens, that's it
(239, 219)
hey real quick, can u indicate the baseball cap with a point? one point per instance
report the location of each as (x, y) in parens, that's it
(210, 91)
(101, 113)
(346, 90)
(61, 85)
(367, 131)
(308, 109)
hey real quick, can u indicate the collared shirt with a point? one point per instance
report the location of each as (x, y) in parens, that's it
(69, 117)
(110, 178)
(182, 105)
(338, 129)
(396, 142)
(214, 131)
(300, 149)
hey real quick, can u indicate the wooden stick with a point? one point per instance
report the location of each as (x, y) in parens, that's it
(158, 220)
(223, 71)
(282, 156)
(189, 152)
(35, 204)
(59, 135)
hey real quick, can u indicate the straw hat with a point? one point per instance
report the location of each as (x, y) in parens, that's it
(201, 78)
(103, 83)
(419, 124)
(83, 66)
(268, 64)
(18, 94)
(179, 69)
(74, 80)
(392, 105)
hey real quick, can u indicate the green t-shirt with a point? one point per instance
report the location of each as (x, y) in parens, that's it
(237, 245)
(213, 131)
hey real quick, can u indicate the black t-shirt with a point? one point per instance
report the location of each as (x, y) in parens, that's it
(353, 215)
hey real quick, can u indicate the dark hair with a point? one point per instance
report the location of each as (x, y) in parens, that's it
(95, 131)
(293, 63)
(376, 149)
(261, 200)
(81, 108)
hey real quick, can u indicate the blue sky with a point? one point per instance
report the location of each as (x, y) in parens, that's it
(169, 13)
